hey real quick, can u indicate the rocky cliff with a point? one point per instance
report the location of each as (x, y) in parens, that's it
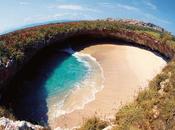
(8, 124)
(20, 46)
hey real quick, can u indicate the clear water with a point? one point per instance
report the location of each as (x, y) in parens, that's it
(64, 76)
(51, 75)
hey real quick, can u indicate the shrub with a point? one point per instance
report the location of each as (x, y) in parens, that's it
(94, 124)
(166, 37)
(129, 116)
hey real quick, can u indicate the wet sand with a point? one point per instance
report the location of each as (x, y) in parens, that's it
(126, 69)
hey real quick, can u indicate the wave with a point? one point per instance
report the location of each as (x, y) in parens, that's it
(83, 92)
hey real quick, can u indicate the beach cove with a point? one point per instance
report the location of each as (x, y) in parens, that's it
(127, 70)
(62, 88)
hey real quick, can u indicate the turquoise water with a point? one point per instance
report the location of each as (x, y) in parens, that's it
(64, 76)
(52, 74)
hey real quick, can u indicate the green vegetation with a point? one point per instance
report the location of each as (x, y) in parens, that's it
(153, 109)
(165, 37)
(154, 34)
(14, 45)
(94, 124)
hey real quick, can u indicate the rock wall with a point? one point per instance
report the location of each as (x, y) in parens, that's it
(12, 67)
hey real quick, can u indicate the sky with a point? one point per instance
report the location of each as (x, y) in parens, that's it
(19, 13)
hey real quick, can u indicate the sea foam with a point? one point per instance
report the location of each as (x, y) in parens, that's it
(83, 91)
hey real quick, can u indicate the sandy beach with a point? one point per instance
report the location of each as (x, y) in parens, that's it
(126, 69)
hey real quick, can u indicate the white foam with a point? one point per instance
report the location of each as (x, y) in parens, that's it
(92, 64)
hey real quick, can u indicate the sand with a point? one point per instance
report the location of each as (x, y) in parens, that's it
(127, 70)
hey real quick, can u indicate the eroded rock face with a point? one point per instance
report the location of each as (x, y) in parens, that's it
(8, 124)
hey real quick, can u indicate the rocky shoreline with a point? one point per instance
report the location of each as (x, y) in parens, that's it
(8, 124)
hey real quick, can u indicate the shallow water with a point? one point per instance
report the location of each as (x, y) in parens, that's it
(54, 84)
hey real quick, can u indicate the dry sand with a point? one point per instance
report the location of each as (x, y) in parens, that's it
(126, 70)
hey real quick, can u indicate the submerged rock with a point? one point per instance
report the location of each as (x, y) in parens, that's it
(8, 124)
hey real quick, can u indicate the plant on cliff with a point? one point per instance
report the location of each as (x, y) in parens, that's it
(1, 49)
(166, 37)
(154, 107)
(94, 124)
(173, 38)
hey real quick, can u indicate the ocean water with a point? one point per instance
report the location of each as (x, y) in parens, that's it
(59, 83)
(64, 76)
(82, 91)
